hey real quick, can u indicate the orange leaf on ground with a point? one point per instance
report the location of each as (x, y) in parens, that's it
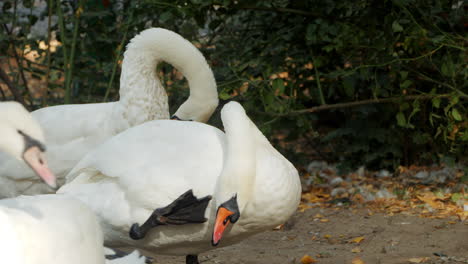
(324, 220)
(432, 200)
(357, 260)
(357, 240)
(306, 259)
(418, 260)
(463, 215)
(279, 227)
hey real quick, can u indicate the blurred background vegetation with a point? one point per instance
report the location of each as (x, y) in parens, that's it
(379, 83)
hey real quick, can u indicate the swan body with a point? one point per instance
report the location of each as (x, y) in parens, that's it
(73, 130)
(52, 229)
(22, 138)
(150, 165)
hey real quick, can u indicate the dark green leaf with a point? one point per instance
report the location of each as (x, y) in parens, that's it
(456, 115)
(406, 84)
(278, 85)
(401, 120)
(436, 102)
(397, 27)
(348, 85)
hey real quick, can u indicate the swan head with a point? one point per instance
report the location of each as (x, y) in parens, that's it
(22, 137)
(227, 213)
(196, 110)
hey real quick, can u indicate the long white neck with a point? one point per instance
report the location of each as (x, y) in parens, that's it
(238, 175)
(267, 184)
(142, 96)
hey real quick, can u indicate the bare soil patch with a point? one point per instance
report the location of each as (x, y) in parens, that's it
(386, 240)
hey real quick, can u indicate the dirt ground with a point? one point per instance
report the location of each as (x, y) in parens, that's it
(386, 240)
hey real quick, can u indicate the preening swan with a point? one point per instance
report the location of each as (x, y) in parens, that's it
(22, 138)
(73, 130)
(52, 229)
(159, 164)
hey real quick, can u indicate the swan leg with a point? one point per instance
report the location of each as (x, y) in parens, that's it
(191, 259)
(186, 209)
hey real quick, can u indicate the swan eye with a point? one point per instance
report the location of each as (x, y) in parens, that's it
(225, 221)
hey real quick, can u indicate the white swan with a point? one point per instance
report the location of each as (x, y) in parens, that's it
(52, 229)
(151, 165)
(22, 138)
(73, 130)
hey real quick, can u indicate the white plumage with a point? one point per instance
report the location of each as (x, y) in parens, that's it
(73, 130)
(22, 139)
(149, 166)
(52, 229)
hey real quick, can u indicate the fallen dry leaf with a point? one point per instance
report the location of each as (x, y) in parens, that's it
(306, 259)
(356, 250)
(432, 200)
(324, 220)
(357, 260)
(279, 227)
(413, 198)
(356, 240)
(327, 236)
(418, 260)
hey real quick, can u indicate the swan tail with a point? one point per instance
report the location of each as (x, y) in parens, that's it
(186, 209)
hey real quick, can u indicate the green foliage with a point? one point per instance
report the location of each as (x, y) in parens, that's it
(403, 60)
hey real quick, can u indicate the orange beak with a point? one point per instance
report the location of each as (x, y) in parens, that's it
(221, 222)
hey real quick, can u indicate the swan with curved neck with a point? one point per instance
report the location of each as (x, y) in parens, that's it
(22, 138)
(153, 165)
(73, 130)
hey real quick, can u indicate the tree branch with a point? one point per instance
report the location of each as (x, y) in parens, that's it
(366, 102)
(20, 66)
(49, 38)
(16, 94)
(3, 94)
(279, 10)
